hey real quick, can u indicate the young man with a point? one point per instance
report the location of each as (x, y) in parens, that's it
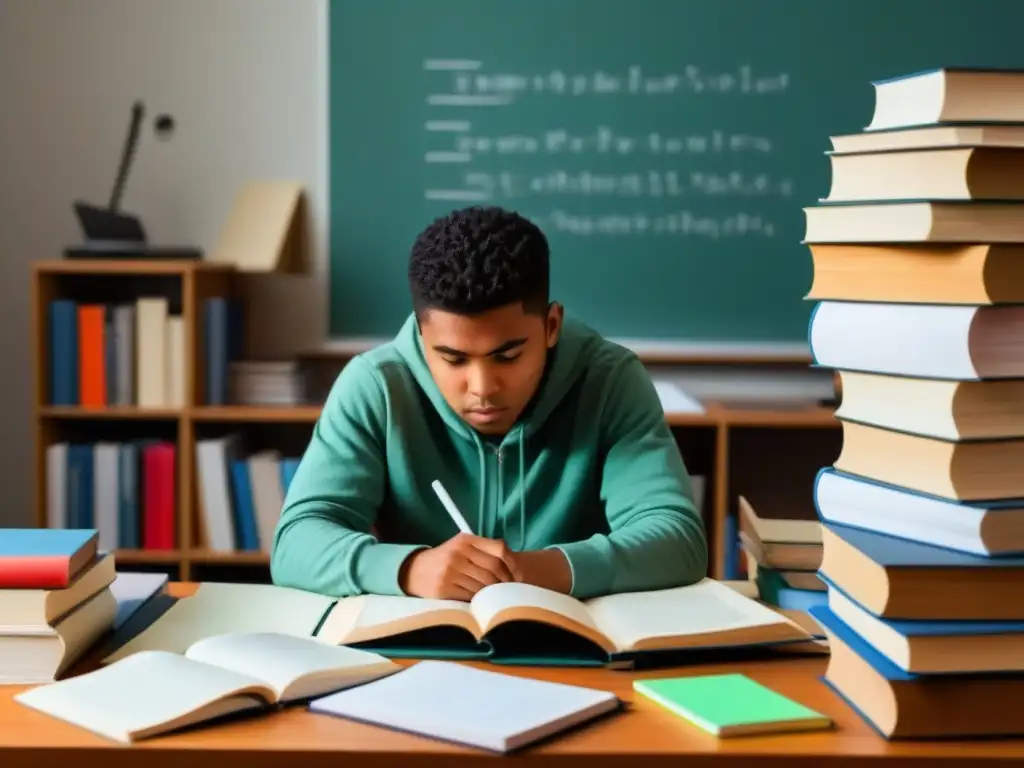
(550, 440)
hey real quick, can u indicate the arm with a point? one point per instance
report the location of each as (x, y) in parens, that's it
(657, 538)
(323, 542)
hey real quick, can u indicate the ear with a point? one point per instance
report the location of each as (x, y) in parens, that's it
(553, 324)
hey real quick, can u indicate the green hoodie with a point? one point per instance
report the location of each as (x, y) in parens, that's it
(591, 468)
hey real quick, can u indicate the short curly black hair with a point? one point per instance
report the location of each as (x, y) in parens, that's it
(477, 259)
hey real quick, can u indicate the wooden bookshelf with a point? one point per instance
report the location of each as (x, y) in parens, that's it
(769, 454)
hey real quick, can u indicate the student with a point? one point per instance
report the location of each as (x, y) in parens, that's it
(550, 440)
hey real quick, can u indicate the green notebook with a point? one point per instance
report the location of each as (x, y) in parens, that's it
(730, 705)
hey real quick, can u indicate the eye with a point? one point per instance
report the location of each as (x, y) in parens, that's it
(508, 358)
(454, 361)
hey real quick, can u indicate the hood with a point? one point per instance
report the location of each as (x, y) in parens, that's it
(566, 363)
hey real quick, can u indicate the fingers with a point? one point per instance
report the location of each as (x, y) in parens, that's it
(458, 591)
(494, 550)
(501, 570)
(489, 555)
(478, 574)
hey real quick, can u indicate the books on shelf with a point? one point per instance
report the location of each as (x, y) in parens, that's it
(240, 496)
(125, 490)
(131, 353)
(923, 529)
(128, 353)
(267, 382)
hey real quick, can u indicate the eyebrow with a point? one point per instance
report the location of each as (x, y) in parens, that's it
(508, 346)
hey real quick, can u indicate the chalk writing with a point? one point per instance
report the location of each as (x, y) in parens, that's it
(654, 183)
(605, 141)
(666, 173)
(678, 223)
(466, 78)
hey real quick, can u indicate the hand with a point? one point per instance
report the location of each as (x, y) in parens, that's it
(547, 568)
(457, 569)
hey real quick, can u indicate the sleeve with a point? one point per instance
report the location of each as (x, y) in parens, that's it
(656, 536)
(323, 541)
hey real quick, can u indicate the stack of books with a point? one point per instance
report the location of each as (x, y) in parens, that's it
(918, 255)
(783, 557)
(267, 382)
(56, 601)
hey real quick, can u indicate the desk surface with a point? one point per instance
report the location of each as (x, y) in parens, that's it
(295, 738)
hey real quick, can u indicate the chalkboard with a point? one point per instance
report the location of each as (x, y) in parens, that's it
(666, 147)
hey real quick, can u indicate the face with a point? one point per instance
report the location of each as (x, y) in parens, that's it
(488, 366)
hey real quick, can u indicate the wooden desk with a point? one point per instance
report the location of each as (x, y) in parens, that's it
(643, 735)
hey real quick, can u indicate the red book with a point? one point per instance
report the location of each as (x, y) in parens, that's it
(159, 497)
(44, 558)
(92, 366)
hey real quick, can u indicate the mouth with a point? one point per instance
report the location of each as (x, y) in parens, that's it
(485, 415)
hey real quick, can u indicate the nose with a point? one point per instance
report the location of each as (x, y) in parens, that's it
(483, 384)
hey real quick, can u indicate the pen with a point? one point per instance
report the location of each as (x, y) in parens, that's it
(449, 505)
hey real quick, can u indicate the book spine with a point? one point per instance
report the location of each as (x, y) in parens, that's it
(35, 572)
(63, 353)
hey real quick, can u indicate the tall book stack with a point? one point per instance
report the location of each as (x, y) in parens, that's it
(918, 255)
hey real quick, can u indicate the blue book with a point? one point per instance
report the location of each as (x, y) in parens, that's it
(988, 528)
(773, 589)
(80, 486)
(129, 504)
(904, 705)
(289, 466)
(246, 535)
(215, 339)
(223, 337)
(934, 647)
(902, 579)
(44, 558)
(63, 338)
(731, 538)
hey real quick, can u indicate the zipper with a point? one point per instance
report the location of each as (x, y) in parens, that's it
(499, 522)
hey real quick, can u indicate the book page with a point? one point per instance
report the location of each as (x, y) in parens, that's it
(293, 666)
(513, 601)
(217, 609)
(702, 609)
(149, 690)
(371, 617)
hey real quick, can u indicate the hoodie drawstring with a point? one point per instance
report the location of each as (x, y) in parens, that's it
(483, 488)
(522, 493)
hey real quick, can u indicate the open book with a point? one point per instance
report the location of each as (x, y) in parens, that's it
(515, 622)
(153, 692)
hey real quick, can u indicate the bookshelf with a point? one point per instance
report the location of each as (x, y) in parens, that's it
(768, 454)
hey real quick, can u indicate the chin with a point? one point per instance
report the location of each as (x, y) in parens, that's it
(491, 429)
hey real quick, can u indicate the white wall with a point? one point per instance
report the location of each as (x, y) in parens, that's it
(246, 83)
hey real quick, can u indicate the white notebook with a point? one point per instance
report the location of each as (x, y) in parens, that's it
(464, 705)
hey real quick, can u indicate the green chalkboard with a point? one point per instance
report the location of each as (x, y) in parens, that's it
(665, 146)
